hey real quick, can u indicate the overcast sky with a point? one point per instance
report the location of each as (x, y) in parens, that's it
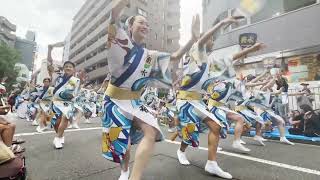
(52, 19)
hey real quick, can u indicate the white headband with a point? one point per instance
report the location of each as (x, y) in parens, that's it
(127, 23)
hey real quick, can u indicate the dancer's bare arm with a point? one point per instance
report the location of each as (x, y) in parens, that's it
(226, 22)
(117, 7)
(247, 51)
(195, 31)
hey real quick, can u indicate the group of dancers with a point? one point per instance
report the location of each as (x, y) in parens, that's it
(127, 120)
(40, 104)
(206, 96)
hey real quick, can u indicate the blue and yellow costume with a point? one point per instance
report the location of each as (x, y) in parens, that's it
(132, 67)
(64, 93)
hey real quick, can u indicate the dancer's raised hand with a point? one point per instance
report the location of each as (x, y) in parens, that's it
(195, 28)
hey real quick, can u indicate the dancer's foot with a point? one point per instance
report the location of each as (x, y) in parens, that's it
(242, 142)
(286, 141)
(62, 140)
(259, 139)
(35, 123)
(124, 175)
(39, 129)
(75, 126)
(239, 146)
(57, 143)
(213, 168)
(182, 157)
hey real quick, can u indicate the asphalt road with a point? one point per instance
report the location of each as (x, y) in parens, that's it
(81, 158)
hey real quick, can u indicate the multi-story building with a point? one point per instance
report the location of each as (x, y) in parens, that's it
(27, 48)
(289, 29)
(89, 32)
(7, 32)
(66, 48)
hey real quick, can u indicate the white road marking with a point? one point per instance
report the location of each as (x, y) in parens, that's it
(52, 132)
(278, 141)
(263, 161)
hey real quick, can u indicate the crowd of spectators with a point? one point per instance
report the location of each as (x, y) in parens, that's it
(305, 122)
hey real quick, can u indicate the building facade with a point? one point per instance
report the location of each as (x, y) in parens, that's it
(27, 48)
(7, 32)
(66, 48)
(290, 31)
(89, 32)
(287, 27)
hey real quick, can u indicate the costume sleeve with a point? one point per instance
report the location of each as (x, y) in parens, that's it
(197, 54)
(161, 68)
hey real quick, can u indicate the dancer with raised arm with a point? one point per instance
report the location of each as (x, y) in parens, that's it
(132, 67)
(194, 117)
(66, 89)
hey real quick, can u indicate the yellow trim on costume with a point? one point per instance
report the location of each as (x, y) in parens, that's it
(45, 101)
(121, 93)
(188, 95)
(214, 103)
(240, 108)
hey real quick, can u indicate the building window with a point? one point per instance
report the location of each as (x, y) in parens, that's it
(291, 5)
(221, 17)
(162, 44)
(144, 1)
(163, 29)
(156, 36)
(171, 2)
(169, 41)
(169, 28)
(142, 12)
(270, 9)
(172, 14)
(275, 8)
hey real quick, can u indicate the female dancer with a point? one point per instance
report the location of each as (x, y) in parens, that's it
(192, 111)
(45, 100)
(132, 66)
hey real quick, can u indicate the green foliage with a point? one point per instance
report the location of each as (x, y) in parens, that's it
(8, 58)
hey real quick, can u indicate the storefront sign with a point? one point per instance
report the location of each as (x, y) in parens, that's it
(303, 68)
(247, 40)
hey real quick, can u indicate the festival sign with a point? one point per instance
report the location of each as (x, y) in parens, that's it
(247, 40)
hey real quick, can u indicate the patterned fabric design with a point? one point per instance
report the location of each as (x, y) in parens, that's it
(57, 115)
(32, 110)
(116, 133)
(189, 125)
(62, 108)
(250, 117)
(266, 117)
(221, 116)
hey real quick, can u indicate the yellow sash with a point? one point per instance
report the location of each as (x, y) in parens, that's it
(121, 93)
(214, 103)
(188, 95)
(240, 108)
